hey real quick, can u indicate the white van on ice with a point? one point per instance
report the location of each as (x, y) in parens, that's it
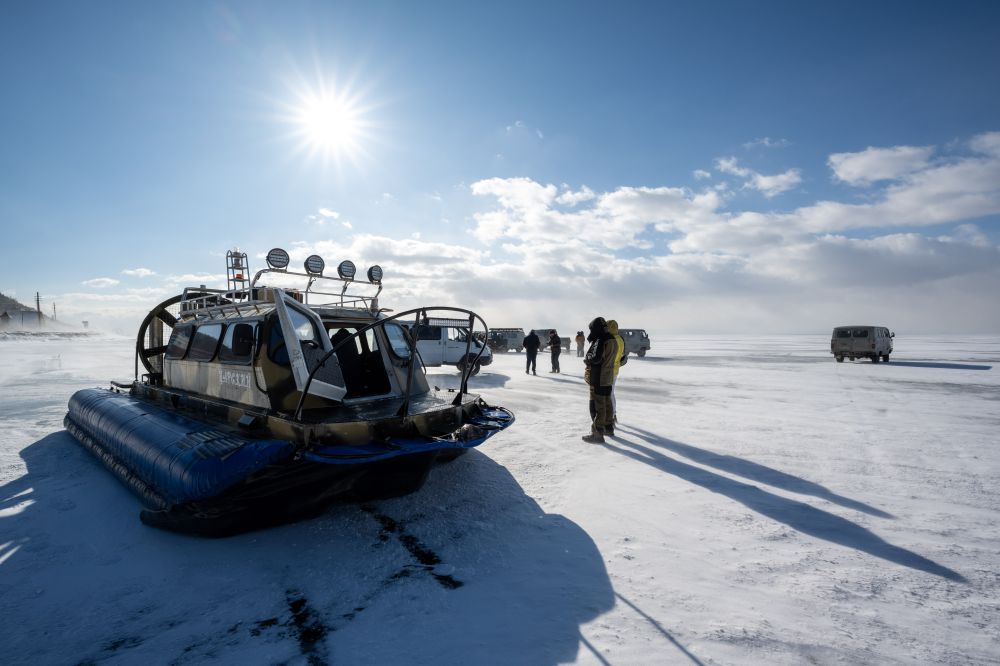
(445, 341)
(874, 342)
(636, 341)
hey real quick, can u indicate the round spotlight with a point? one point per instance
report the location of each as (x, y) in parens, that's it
(315, 264)
(375, 274)
(277, 258)
(346, 269)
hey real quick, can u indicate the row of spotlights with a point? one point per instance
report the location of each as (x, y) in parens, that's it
(278, 259)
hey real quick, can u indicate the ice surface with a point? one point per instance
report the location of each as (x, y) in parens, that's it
(761, 504)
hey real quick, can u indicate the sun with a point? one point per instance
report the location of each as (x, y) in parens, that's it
(330, 124)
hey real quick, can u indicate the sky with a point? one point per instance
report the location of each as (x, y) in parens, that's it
(684, 167)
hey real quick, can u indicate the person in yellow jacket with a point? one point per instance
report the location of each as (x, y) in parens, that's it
(620, 360)
(600, 377)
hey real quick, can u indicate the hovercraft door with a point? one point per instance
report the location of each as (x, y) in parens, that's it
(303, 325)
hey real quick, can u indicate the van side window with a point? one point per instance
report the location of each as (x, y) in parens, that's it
(206, 341)
(237, 344)
(179, 341)
(843, 333)
(861, 332)
(428, 332)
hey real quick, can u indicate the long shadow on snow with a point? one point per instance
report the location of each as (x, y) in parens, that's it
(755, 472)
(797, 515)
(484, 380)
(940, 366)
(354, 581)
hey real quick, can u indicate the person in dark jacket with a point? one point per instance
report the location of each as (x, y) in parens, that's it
(555, 347)
(531, 345)
(580, 339)
(600, 377)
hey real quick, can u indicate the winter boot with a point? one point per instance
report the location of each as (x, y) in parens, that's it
(595, 437)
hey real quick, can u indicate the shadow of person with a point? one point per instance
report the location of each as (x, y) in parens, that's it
(754, 471)
(467, 570)
(797, 515)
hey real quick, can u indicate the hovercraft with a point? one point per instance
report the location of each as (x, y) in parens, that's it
(260, 407)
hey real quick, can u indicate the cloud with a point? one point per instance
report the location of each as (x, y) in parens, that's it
(875, 164)
(988, 144)
(138, 272)
(326, 212)
(701, 174)
(100, 283)
(571, 198)
(767, 142)
(769, 186)
(653, 248)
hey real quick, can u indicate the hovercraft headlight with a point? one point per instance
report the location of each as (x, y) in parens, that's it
(277, 259)
(375, 274)
(346, 270)
(315, 265)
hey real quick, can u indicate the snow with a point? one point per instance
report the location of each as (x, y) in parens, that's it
(761, 504)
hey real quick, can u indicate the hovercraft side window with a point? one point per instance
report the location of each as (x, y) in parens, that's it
(206, 341)
(179, 341)
(276, 349)
(398, 341)
(237, 344)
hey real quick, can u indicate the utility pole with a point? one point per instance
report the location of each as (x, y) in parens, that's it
(53, 312)
(38, 307)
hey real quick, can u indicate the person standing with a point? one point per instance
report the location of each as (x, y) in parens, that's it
(531, 345)
(579, 343)
(555, 347)
(599, 374)
(620, 360)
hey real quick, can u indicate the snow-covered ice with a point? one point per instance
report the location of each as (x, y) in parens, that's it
(761, 504)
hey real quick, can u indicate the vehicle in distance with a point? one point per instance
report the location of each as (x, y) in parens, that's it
(636, 341)
(874, 342)
(506, 339)
(445, 342)
(543, 337)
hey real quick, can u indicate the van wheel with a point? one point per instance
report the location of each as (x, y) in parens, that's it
(462, 365)
(885, 358)
(641, 353)
(875, 358)
(840, 359)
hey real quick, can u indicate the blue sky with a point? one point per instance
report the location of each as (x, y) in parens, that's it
(674, 160)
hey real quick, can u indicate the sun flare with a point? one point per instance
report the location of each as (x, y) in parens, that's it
(330, 124)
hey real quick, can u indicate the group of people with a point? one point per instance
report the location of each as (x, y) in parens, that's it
(603, 359)
(531, 344)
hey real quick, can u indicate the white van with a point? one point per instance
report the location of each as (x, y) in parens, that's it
(444, 342)
(636, 341)
(874, 342)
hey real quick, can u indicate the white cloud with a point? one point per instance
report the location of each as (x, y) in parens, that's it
(767, 142)
(100, 283)
(326, 212)
(347, 225)
(701, 174)
(769, 186)
(874, 164)
(138, 272)
(987, 143)
(571, 198)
